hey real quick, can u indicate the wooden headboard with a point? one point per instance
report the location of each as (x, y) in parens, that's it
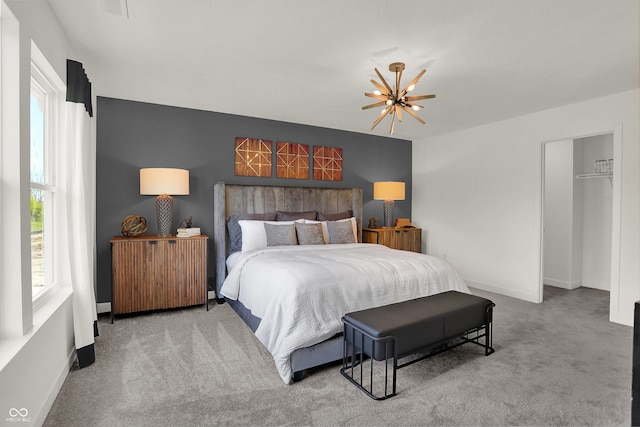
(231, 199)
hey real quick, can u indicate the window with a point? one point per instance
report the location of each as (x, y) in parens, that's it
(42, 179)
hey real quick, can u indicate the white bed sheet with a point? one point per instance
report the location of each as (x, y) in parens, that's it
(300, 293)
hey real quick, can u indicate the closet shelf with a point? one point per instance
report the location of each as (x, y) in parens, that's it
(604, 169)
(594, 175)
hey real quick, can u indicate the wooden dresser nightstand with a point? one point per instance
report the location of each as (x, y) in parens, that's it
(406, 239)
(157, 272)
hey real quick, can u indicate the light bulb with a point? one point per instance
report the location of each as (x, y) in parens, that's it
(377, 92)
(415, 107)
(410, 88)
(389, 102)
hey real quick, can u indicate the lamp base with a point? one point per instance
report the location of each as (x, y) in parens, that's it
(164, 214)
(388, 213)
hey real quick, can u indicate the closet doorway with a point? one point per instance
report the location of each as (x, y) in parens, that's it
(578, 197)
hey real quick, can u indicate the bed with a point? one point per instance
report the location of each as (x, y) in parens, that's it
(293, 296)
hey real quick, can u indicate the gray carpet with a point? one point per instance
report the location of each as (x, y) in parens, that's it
(557, 363)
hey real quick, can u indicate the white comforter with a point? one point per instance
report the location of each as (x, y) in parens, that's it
(302, 292)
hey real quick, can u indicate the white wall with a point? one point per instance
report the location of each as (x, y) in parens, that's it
(34, 367)
(562, 217)
(597, 214)
(478, 195)
(34, 358)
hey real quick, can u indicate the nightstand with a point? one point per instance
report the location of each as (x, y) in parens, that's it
(406, 239)
(158, 272)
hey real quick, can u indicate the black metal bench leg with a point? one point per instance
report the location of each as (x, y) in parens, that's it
(488, 337)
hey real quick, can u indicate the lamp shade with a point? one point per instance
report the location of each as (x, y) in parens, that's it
(388, 190)
(155, 181)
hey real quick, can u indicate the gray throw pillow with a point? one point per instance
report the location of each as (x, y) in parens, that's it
(279, 235)
(310, 234)
(340, 232)
(235, 232)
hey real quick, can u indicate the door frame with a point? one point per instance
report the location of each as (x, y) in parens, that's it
(614, 301)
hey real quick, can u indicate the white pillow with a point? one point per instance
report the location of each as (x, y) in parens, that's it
(254, 235)
(325, 231)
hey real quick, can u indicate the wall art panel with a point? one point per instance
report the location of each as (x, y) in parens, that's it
(292, 160)
(327, 163)
(253, 157)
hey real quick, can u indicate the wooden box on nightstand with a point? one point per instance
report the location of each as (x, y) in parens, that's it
(406, 239)
(157, 272)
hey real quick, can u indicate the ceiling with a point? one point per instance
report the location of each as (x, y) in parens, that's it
(310, 62)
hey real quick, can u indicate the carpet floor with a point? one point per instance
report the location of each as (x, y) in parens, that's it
(556, 363)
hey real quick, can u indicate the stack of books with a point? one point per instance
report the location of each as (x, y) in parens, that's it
(188, 232)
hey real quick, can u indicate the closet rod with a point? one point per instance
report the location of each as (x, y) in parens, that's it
(593, 175)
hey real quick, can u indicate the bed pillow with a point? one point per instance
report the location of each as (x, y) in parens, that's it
(280, 234)
(342, 231)
(292, 216)
(235, 232)
(325, 233)
(354, 226)
(310, 234)
(335, 216)
(254, 235)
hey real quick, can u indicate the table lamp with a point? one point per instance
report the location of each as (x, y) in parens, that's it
(389, 191)
(164, 182)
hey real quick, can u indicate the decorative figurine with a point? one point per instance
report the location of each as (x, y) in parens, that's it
(133, 225)
(185, 223)
(373, 222)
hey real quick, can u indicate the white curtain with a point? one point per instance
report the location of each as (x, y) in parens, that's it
(76, 204)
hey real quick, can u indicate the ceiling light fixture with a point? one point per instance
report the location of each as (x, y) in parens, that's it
(395, 100)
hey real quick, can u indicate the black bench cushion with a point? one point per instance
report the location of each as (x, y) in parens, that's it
(423, 321)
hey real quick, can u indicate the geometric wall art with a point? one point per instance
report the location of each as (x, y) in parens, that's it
(292, 160)
(253, 157)
(327, 163)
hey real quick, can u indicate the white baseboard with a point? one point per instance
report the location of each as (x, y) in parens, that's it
(105, 307)
(55, 389)
(622, 318)
(509, 292)
(562, 283)
(600, 286)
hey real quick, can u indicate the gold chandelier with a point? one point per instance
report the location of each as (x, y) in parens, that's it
(395, 100)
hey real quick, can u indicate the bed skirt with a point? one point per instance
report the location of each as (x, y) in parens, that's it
(324, 352)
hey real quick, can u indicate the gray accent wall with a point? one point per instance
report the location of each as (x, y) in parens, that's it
(133, 135)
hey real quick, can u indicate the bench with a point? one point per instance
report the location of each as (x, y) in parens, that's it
(386, 334)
